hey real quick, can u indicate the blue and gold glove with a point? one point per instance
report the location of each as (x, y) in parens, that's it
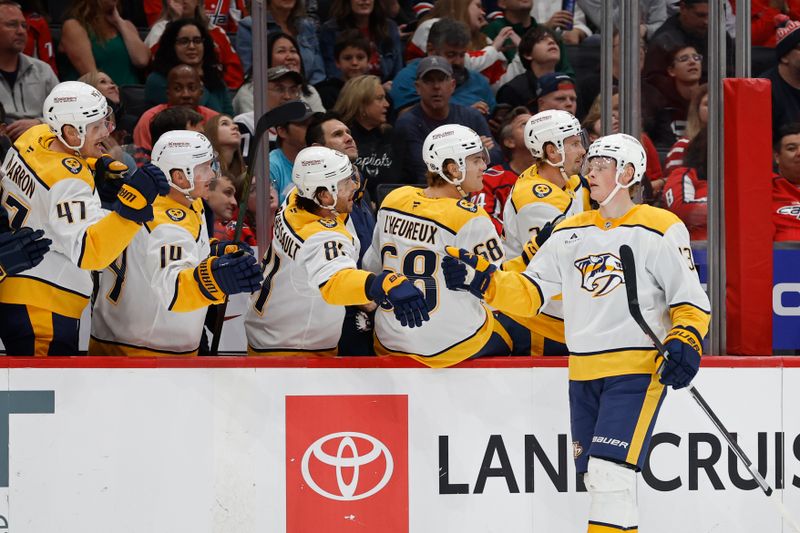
(407, 300)
(229, 274)
(220, 248)
(465, 271)
(21, 250)
(135, 197)
(109, 177)
(683, 358)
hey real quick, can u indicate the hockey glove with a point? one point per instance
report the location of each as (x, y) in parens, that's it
(108, 177)
(683, 359)
(135, 197)
(465, 271)
(408, 301)
(21, 250)
(533, 245)
(229, 274)
(220, 248)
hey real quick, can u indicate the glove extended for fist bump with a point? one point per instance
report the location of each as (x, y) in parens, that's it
(220, 248)
(465, 271)
(21, 250)
(136, 196)
(229, 274)
(683, 358)
(109, 177)
(408, 301)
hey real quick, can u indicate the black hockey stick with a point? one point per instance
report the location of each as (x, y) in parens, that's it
(629, 270)
(283, 114)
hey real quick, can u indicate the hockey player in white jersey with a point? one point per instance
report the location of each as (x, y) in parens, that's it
(544, 194)
(615, 388)
(414, 227)
(551, 187)
(310, 271)
(47, 185)
(153, 299)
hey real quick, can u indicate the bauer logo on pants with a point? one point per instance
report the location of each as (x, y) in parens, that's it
(347, 463)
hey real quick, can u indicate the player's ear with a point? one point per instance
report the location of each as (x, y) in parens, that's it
(451, 169)
(627, 175)
(179, 178)
(70, 134)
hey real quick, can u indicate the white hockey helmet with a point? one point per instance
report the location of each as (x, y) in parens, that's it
(624, 150)
(451, 141)
(319, 166)
(182, 150)
(551, 126)
(76, 104)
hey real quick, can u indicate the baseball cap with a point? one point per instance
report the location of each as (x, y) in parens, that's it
(787, 36)
(276, 73)
(432, 63)
(554, 81)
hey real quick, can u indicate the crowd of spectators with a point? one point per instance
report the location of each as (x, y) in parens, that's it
(386, 73)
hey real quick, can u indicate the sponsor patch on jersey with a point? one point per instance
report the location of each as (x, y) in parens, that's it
(467, 206)
(601, 273)
(540, 190)
(328, 222)
(176, 214)
(72, 164)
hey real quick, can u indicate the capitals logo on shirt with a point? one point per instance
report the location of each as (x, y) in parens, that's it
(600, 273)
(792, 210)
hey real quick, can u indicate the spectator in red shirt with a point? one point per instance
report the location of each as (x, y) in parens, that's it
(40, 40)
(786, 184)
(696, 118)
(763, 15)
(686, 190)
(500, 179)
(183, 88)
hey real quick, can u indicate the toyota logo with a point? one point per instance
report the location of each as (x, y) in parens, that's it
(347, 441)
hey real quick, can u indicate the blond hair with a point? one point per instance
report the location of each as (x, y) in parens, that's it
(356, 94)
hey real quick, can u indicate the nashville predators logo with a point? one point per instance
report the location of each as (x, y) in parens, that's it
(72, 164)
(176, 214)
(577, 449)
(467, 206)
(601, 273)
(540, 190)
(328, 222)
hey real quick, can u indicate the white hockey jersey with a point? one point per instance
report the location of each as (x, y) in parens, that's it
(581, 260)
(534, 202)
(300, 307)
(54, 192)
(410, 238)
(147, 301)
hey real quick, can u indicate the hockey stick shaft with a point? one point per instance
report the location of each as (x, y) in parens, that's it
(261, 129)
(629, 270)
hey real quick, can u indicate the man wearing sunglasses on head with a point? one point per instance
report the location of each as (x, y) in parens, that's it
(48, 185)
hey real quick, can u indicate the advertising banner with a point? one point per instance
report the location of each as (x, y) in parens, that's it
(467, 450)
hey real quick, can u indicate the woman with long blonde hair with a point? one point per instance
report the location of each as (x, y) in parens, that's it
(363, 106)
